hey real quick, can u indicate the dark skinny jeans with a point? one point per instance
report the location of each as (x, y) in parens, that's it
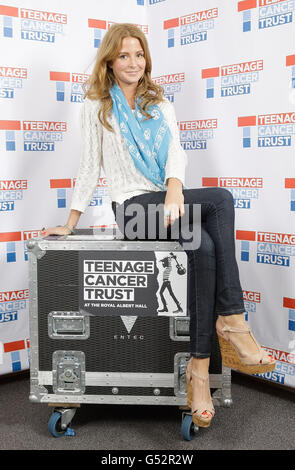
(214, 285)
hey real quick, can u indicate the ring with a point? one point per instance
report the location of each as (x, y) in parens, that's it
(167, 212)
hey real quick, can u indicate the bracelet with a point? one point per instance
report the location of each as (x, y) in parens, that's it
(70, 229)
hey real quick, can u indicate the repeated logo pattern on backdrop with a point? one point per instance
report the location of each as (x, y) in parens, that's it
(234, 107)
(235, 79)
(100, 26)
(244, 189)
(191, 28)
(32, 25)
(74, 91)
(265, 14)
(270, 130)
(36, 136)
(11, 78)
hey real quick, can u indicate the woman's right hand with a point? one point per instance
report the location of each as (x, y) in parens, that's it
(59, 230)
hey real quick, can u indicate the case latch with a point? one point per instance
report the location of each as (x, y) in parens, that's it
(180, 364)
(68, 372)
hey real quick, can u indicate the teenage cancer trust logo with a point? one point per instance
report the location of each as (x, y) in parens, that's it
(290, 62)
(171, 84)
(290, 184)
(251, 300)
(11, 191)
(13, 245)
(271, 248)
(289, 304)
(191, 28)
(61, 186)
(33, 25)
(11, 78)
(194, 135)
(267, 13)
(243, 189)
(38, 135)
(235, 79)
(75, 81)
(99, 28)
(149, 2)
(273, 130)
(13, 304)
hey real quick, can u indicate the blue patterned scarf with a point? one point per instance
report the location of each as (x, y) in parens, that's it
(147, 141)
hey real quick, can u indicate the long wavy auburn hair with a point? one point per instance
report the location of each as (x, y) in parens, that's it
(102, 77)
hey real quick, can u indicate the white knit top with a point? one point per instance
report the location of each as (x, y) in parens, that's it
(107, 150)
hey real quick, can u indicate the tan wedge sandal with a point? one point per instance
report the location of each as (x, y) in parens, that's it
(202, 411)
(258, 363)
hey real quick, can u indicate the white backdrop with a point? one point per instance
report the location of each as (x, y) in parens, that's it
(229, 68)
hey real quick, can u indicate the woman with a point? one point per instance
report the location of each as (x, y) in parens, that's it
(131, 131)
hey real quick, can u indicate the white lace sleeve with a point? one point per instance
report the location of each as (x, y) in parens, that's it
(177, 158)
(90, 162)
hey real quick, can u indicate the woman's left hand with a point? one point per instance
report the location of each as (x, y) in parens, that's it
(174, 202)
